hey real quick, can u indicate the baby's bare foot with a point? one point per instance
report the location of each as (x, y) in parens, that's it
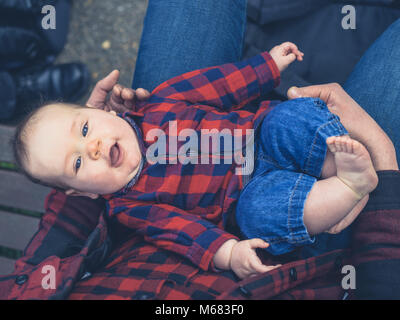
(362, 127)
(354, 165)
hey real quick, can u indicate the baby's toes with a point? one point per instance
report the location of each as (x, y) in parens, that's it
(340, 145)
(345, 143)
(331, 144)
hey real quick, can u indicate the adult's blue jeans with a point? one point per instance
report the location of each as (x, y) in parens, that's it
(184, 35)
(375, 83)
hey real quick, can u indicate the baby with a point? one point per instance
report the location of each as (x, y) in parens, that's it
(183, 206)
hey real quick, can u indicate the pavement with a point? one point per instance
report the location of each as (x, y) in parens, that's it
(105, 35)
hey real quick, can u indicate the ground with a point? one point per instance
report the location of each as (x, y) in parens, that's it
(105, 35)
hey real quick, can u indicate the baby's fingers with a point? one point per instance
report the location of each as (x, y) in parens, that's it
(258, 243)
(257, 266)
(290, 48)
(299, 55)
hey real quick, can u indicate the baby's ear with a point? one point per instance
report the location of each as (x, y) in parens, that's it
(74, 193)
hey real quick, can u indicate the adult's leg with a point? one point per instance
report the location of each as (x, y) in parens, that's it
(184, 35)
(375, 83)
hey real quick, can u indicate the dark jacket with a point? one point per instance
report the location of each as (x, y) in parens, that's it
(315, 26)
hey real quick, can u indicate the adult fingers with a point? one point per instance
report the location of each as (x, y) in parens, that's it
(127, 93)
(122, 98)
(115, 101)
(107, 83)
(128, 97)
(116, 94)
(323, 91)
(142, 94)
(98, 97)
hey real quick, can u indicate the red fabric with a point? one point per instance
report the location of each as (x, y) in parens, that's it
(136, 269)
(182, 207)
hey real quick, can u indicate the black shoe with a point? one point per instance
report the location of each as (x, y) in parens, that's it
(66, 82)
(19, 47)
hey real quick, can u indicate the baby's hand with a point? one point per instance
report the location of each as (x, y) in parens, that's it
(244, 260)
(285, 54)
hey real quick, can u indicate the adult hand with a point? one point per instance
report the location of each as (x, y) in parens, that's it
(337, 100)
(108, 95)
(360, 125)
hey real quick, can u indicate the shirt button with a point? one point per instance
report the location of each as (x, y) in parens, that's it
(293, 274)
(21, 279)
(244, 291)
(86, 275)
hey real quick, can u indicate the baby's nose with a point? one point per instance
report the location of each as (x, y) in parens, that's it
(94, 148)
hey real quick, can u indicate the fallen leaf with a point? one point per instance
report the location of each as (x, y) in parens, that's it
(106, 45)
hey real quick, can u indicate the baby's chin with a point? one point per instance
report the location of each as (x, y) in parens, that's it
(114, 181)
(114, 188)
(95, 193)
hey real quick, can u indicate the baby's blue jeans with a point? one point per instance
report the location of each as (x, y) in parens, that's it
(184, 35)
(290, 152)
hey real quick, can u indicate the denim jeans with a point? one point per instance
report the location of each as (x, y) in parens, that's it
(290, 153)
(184, 35)
(375, 83)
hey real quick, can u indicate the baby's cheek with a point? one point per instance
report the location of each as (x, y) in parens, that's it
(100, 176)
(108, 180)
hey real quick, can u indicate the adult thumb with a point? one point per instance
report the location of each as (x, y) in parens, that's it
(294, 92)
(110, 80)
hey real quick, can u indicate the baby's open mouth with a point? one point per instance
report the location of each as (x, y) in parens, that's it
(115, 155)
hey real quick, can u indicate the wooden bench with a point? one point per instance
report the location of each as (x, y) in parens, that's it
(21, 205)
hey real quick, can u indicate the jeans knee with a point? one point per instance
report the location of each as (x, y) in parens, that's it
(250, 205)
(392, 35)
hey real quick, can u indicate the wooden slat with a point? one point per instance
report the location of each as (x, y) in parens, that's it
(16, 230)
(6, 134)
(6, 266)
(18, 192)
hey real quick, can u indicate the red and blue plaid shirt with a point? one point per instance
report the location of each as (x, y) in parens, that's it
(94, 258)
(183, 207)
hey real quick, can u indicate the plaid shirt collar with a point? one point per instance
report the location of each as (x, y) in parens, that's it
(129, 117)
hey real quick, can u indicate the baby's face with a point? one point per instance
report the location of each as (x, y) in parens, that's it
(88, 150)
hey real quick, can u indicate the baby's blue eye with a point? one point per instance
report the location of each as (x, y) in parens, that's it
(77, 164)
(85, 129)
